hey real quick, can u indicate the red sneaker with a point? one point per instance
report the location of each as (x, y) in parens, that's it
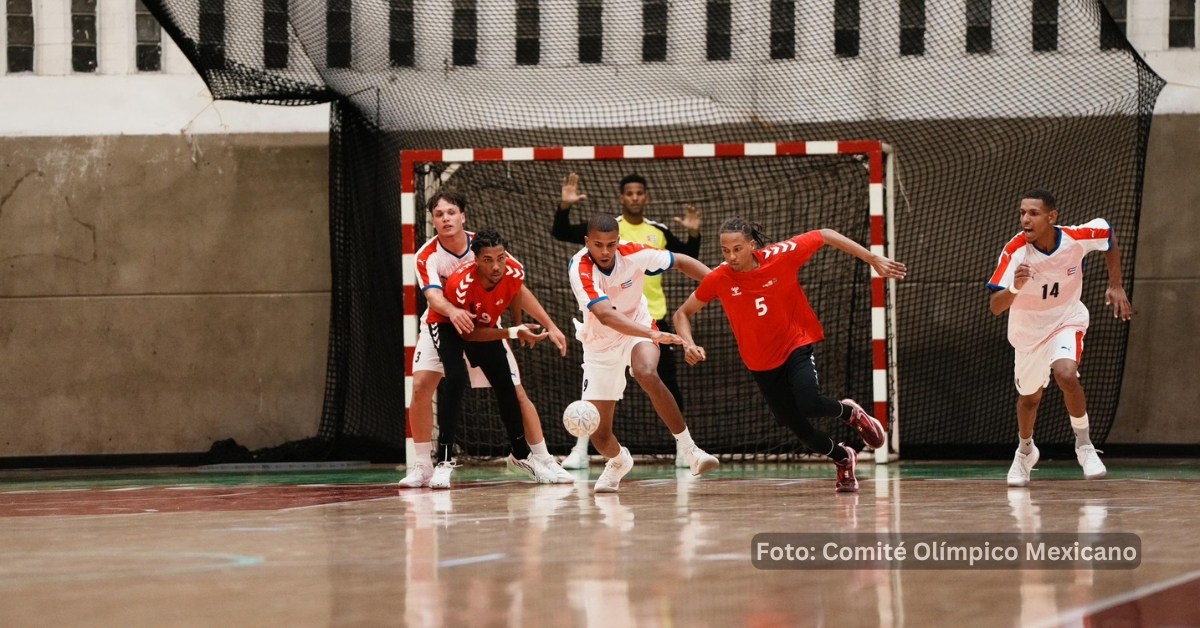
(870, 429)
(846, 482)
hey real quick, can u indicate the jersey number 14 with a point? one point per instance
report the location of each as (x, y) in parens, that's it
(1049, 291)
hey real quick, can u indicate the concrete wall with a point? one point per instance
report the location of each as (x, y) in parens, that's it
(158, 293)
(1161, 390)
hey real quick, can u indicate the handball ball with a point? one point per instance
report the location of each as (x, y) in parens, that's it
(581, 418)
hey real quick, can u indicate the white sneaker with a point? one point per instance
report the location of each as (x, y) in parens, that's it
(441, 474)
(681, 460)
(522, 467)
(577, 459)
(418, 476)
(1018, 473)
(614, 470)
(700, 461)
(549, 469)
(1093, 469)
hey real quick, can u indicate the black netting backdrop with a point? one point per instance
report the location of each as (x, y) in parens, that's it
(978, 106)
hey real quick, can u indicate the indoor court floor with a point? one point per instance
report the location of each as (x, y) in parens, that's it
(220, 547)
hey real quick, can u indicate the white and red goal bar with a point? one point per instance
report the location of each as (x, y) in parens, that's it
(874, 151)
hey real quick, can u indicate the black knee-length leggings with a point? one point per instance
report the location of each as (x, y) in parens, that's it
(794, 396)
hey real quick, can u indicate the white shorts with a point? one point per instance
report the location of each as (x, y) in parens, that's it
(425, 358)
(604, 371)
(1031, 370)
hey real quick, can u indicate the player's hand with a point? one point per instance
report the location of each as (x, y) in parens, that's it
(570, 192)
(691, 219)
(663, 338)
(529, 336)
(1023, 274)
(693, 354)
(462, 321)
(1122, 309)
(559, 340)
(889, 269)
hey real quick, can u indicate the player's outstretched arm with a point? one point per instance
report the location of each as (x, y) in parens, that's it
(611, 318)
(563, 229)
(460, 318)
(527, 334)
(682, 319)
(1115, 294)
(527, 302)
(691, 266)
(886, 267)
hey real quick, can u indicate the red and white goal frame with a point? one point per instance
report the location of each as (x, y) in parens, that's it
(879, 161)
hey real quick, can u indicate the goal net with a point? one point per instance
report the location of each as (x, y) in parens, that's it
(788, 188)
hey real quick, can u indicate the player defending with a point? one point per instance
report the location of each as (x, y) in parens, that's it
(1039, 280)
(435, 260)
(485, 287)
(618, 333)
(634, 227)
(776, 329)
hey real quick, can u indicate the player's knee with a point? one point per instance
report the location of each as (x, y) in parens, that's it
(1066, 375)
(1030, 402)
(644, 373)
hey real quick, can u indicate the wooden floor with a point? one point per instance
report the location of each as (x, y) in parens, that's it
(188, 547)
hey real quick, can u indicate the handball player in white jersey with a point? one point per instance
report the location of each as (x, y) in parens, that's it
(1039, 281)
(618, 334)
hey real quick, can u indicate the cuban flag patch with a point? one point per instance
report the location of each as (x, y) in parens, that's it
(628, 283)
(1072, 270)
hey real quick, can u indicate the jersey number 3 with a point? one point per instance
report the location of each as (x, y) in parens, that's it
(1049, 291)
(761, 305)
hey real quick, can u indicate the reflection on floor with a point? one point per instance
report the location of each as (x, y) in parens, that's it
(186, 547)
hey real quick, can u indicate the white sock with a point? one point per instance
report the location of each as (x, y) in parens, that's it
(1026, 446)
(424, 451)
(684, 439)
(539, 449)
(1079, 425)
(582, 443)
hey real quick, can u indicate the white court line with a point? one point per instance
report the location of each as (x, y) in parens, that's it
(470, 560)
(1078, 614)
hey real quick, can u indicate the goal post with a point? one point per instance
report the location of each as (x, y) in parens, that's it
(779, 165)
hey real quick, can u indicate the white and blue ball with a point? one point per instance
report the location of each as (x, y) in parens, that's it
(581, 418)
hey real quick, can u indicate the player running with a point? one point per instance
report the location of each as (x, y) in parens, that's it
(1039, 280)
(618, 334)
(776, 329)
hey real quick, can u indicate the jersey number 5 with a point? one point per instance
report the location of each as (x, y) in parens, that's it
(761, 305)
(1048, 291)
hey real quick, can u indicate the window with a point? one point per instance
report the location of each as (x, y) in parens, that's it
(465, 40)
(783, 29)
(912, 27)
(591, 31)
(275, 34)
(719, 30)
(654, 30)
(148, 49)
(529, 47)
(979, 26)
(339, 52)
(83, 35)
(1181, 29)
(20, 35)
(1045, 25)
(1112, 32)
(845, 28)
(402, 46)
(212, 33)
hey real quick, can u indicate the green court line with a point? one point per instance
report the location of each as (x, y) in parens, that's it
(59, 480)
